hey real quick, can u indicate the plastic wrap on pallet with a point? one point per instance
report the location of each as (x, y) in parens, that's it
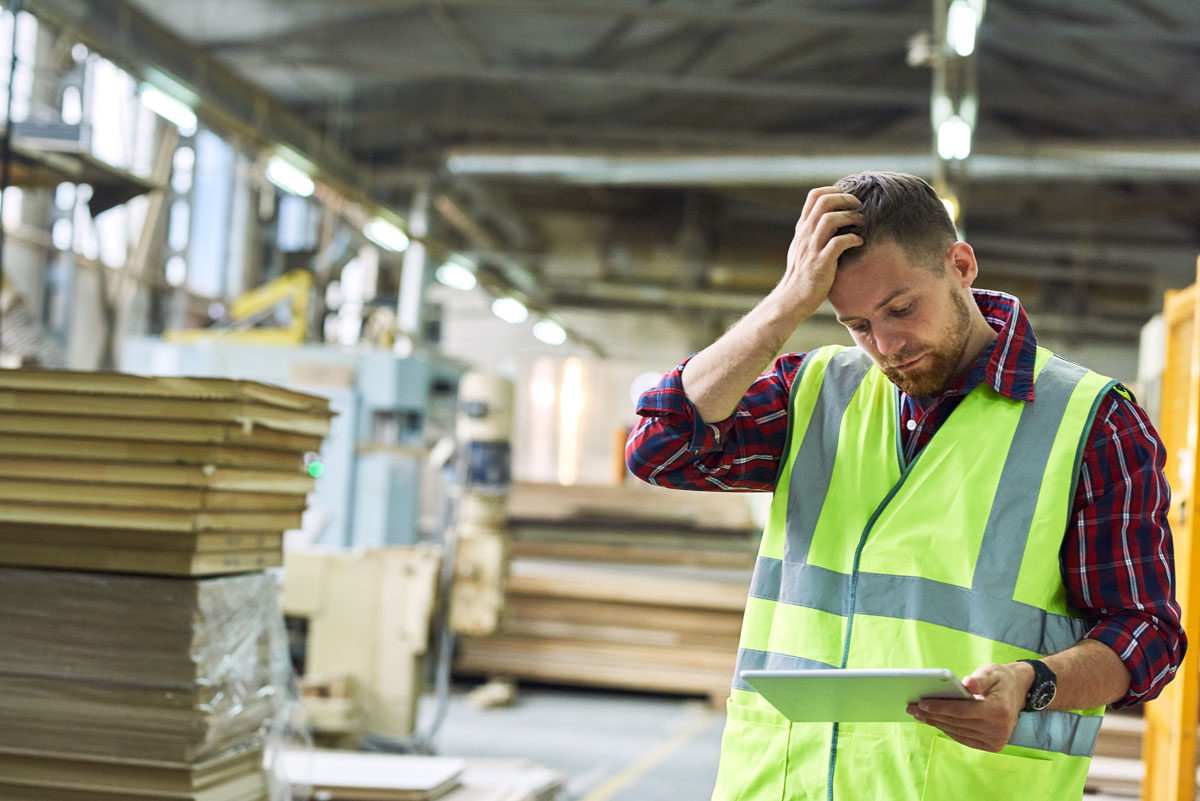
(171, 669)
(154, 631)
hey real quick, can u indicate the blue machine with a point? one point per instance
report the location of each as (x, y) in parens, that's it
(377, 486)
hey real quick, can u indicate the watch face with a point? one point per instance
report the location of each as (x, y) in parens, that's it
(1041, 696)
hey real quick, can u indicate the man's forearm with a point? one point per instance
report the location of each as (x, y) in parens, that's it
(1089, 674)
(716, 378)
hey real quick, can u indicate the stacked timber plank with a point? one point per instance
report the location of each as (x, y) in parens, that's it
(629, 587)
(639, 524)
(143, 645)
(172, 476)
(666, 629)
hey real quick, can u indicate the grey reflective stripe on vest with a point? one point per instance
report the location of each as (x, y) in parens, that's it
(915, 598)
(749, 659)
(1007, 529)
(1064, 732)
(809, 482)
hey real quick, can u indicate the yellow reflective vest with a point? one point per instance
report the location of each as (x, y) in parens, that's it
(949, 561)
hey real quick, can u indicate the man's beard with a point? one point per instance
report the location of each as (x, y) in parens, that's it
(940, 363)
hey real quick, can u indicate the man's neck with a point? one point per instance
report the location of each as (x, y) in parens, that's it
(981, 336)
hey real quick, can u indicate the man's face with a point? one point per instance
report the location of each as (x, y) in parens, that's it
(913, 322)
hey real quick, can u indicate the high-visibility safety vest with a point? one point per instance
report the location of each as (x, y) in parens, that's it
(948, 561)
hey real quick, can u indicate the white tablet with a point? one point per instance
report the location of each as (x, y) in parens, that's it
(852, 695)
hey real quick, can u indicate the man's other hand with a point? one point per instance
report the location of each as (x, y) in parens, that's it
(988, 721)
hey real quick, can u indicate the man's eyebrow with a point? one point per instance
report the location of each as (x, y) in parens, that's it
(882, 303)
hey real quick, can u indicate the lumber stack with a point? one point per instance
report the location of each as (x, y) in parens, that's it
(143, 645)
(170, 476)
(632, 587)
(662, 628)
(631, 524)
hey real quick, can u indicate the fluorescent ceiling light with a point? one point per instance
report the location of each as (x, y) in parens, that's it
(170, 109)
(386, 235)
(510, 310)
(961, 23)
(457, 276)
(954, 138)
(549, 332)
(289, 178)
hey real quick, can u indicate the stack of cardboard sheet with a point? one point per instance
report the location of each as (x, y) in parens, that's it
(136, 687)
(172, 476)
(116, 685)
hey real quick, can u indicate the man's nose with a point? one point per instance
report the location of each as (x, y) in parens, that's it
(889, 342)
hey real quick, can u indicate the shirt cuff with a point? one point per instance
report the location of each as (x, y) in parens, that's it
(667, 399)
(1145, 655)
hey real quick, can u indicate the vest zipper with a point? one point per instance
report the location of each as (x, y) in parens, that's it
(904, 471)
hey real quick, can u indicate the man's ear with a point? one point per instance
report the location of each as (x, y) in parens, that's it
(960, 259)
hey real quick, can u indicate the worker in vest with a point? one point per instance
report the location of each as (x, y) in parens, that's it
(946, 495)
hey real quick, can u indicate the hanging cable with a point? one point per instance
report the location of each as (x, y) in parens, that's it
(6, 142)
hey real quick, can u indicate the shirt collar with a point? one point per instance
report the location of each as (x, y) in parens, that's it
(1006, 365)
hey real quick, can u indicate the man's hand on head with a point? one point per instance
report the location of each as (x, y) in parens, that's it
(816, 247)
(987, 721)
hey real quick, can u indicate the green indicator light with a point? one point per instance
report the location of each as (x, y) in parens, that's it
(316, 469)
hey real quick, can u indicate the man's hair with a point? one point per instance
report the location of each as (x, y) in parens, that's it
(902, 208)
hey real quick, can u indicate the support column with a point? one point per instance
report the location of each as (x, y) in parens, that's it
(414, 278)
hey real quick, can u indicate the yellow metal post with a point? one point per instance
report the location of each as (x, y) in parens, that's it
(1169, 743)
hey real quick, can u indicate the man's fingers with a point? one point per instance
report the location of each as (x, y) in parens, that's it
(813, 196)
(838, 245)
(953, 708)
(831, 221)
(824, 200)
(982, 681)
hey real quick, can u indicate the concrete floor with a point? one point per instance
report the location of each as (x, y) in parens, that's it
(612, 746)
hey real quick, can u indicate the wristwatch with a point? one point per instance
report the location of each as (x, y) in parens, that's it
(1045, 685)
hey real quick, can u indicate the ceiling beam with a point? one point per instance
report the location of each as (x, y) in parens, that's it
(1050, 161)
(678, 12)
(402, 70)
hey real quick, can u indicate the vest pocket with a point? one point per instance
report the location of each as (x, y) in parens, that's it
(754, 750)
(956, 771)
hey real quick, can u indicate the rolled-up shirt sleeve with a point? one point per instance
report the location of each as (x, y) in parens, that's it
(1117, 558)
(672, 446)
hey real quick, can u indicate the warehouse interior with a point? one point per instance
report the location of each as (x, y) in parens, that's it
(417, 260)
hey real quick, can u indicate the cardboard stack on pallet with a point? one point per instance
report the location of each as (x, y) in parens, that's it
(144, 648)
(171, 476)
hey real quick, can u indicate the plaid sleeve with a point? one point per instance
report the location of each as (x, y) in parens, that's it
(672, 447)
(1117, 557)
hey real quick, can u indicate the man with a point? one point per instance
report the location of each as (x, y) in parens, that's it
(947, 494)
